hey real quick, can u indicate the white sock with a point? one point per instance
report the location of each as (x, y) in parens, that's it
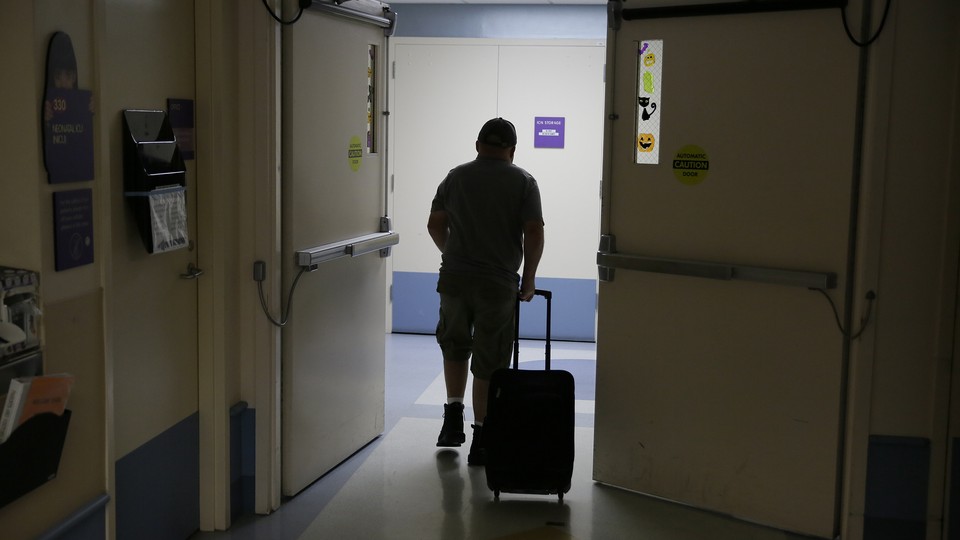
(452, 400)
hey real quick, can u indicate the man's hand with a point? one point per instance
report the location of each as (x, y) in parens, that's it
(527, 289)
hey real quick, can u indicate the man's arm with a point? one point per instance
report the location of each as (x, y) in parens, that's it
(532, 251)
(438, 225)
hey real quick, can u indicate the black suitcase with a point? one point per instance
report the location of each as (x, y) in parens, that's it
(528, 431)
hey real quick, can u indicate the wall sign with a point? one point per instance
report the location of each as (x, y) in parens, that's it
(67, 117)
(73, 228)
(649, 100)
(548, 131)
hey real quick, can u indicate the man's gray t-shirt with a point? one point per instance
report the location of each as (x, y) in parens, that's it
(487, 201)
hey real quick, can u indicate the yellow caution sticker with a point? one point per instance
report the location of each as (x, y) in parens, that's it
(355, 154)
(691, 165)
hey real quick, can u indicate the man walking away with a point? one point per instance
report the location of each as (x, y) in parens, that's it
(485, 218)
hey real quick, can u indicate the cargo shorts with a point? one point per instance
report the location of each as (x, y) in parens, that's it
(476, 319)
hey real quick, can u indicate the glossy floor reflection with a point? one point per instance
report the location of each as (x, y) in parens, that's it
(401, 486)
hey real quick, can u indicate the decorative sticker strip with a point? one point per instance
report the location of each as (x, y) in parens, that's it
(371, 98)
(649, 100)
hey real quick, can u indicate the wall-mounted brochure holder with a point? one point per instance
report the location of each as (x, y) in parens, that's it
(19, 314)
(28, 364)
(155, 179)
(31, 456)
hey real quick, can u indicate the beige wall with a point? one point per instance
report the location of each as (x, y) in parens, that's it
(20, 219)
(147, 56)
(918, 265)
(72, 300)
(83, 306)
(909, 245)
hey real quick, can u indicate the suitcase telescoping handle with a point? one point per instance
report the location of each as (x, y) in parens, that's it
(516, 333)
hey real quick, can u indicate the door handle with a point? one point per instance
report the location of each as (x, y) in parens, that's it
(192, 272)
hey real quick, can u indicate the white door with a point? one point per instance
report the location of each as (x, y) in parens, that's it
(719, 374)
(333, 189)
(443, 91)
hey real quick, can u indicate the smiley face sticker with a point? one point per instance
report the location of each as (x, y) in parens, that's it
(645, 142)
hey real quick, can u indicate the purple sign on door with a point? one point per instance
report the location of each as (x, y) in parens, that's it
(548, 131)
(73, 228)
(180, 112)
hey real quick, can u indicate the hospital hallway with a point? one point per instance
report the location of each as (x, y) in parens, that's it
(401, 486)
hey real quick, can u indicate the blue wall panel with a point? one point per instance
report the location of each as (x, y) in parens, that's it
(415, 302)
(158, 485)
(574, 310)
(416, 306)
(898, 472)
(242, 459)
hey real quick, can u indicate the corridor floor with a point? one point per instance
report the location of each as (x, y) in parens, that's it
(401, 486)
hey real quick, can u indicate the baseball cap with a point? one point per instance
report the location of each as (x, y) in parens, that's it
(498, 132)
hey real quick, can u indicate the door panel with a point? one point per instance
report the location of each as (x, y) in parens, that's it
(565, 82)
(430, 139)
(726, 394)
(333, 345)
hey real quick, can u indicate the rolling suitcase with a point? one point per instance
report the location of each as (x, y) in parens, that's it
(528, 431)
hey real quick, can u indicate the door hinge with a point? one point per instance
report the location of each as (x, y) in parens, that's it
(608, 244)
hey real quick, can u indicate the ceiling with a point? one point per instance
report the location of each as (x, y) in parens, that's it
(633, 3)
(506, 2)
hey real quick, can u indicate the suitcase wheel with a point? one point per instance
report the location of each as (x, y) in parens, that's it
(560, 496)
(496, 494)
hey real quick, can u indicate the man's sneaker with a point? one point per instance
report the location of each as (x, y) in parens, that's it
(451, 434)
(478, 451)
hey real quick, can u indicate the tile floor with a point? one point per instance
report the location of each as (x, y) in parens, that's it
(401, 486)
